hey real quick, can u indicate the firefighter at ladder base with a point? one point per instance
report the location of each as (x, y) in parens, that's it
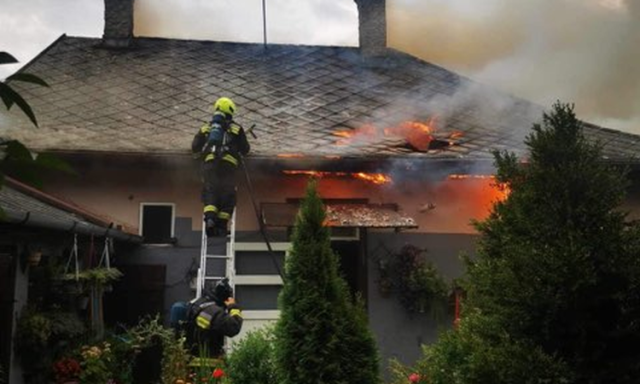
(208, 319)
(220, 144)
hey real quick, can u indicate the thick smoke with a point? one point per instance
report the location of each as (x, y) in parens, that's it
(582, 51)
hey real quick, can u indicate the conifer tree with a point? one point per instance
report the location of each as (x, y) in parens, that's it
(557, 272)
(557, 261)
(321, 336)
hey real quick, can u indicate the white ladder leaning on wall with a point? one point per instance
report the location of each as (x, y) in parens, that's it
(205, 275)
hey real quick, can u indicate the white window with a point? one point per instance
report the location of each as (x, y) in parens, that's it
(257, 281)
(157, 222)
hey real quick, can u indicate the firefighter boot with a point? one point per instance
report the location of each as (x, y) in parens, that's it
(221, 227)
(210, 226)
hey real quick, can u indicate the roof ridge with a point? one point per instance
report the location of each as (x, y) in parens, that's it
(44, 51)
(245, 43)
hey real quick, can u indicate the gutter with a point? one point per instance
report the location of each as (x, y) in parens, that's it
(58, 203)
(31, 219)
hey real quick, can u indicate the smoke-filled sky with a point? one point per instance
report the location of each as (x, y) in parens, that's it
(582, 51)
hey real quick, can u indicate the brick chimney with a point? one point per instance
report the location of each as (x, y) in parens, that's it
(372, 19)
(118, 23)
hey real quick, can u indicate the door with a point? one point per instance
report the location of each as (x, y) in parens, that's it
(138, 293)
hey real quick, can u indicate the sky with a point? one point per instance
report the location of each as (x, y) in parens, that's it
(581, 51)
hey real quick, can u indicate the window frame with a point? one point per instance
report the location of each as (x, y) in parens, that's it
(157, 204)
(260, 314)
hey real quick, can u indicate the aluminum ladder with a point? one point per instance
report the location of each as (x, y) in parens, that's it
(204, 273)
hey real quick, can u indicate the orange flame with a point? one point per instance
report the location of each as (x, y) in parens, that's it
(417, 134)
(375, 178)
(502, 190)
(455, 176)
(290, 155)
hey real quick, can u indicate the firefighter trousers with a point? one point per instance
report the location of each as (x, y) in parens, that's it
(219, 190)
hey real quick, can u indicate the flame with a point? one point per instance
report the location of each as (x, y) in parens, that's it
(290, 155)
(344, 133)
(501, 190)
(366, 132)
(418, 135)
(466, 176)
(375, 178)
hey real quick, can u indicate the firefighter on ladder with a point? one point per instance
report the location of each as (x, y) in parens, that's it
(220, 143)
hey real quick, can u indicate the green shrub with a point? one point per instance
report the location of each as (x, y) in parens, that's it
(479, 353)
(252, 359)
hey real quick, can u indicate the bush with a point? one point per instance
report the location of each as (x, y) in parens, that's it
(476, 353)
(252, 359)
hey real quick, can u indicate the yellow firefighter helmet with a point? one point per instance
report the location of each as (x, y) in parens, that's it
(225, 105)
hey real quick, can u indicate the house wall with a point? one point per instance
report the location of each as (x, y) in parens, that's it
(118, 189)
(400, 334)
(444, 231)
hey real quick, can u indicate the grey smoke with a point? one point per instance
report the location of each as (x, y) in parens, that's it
(582, 51)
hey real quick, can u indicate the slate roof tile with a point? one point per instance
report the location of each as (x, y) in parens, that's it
(298, 96)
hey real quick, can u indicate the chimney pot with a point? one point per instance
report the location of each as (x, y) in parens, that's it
(372, 20)
(118, 23)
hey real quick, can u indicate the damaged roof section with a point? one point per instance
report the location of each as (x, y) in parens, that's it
(358, 215)
(152, 98)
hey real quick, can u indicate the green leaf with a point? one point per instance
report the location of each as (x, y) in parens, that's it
(7, 93)
(17, 151)
(24, 171)
(6, 58)
(53, 162)
(5, 96)
(28, 78)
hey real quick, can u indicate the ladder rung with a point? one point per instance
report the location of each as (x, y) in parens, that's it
(218, 257)
(214, 277)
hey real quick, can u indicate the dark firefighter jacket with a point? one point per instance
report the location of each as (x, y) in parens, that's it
(213, 323)
(221, 139)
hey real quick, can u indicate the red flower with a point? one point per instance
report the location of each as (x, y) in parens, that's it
(66, 369)
(217, 373)
(414, 378)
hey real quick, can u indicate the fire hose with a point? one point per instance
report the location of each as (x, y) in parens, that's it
(258, 213)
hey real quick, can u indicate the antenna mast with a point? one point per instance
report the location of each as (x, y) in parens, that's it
(264, 22)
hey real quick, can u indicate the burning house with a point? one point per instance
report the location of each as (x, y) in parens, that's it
(402, 150)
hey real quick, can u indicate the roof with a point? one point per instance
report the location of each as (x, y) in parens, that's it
(27, 206)
(153, 98)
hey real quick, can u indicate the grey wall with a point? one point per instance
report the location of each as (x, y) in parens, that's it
(398, 334)
(177, 258)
